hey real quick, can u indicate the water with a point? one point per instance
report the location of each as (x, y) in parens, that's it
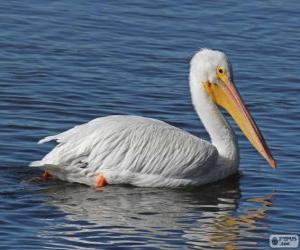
(65, 63)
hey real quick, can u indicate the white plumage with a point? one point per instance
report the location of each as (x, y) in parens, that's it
(147, 152)
(129, 149)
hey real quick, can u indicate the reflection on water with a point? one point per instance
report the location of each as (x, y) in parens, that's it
(227, 230)
(198, 217)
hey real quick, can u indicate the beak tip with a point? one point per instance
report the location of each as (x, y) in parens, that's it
(272, 163)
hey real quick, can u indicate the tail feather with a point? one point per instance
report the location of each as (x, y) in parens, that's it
(45, 166)
(47, 139)
(69, 173)
(35, 164)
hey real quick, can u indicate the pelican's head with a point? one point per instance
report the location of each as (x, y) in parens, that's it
(213, 73)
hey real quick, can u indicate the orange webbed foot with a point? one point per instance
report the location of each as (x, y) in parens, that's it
(44, 177)
(101, 181)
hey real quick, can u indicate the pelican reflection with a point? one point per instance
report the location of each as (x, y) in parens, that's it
(202, 216)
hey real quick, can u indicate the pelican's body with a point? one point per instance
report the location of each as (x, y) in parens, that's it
(147, 152)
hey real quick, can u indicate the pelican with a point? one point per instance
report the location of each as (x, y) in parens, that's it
(146, 152)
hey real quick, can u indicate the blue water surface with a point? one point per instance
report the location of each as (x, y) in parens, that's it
(64, 63)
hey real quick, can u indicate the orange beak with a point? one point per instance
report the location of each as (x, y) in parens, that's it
(227, 96)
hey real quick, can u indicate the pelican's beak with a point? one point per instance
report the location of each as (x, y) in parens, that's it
(226, 95)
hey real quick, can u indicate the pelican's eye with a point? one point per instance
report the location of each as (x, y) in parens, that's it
(221, 72)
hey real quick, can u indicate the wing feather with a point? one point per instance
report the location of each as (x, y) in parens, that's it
(123, 146)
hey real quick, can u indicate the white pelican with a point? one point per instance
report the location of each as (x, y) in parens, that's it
(151, 153)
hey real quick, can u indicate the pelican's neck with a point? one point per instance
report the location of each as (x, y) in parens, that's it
(220, 132)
